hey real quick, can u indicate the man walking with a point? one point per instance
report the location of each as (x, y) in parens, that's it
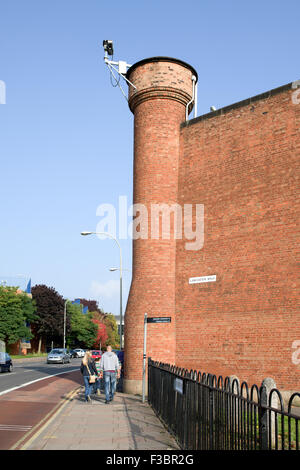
(110, 368)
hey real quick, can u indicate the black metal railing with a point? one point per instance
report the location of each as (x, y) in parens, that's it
(206, 413)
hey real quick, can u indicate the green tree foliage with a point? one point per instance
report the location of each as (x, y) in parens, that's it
(45, 314)
(16, 309)
(113, 337)
(29, 308)
(83, 332)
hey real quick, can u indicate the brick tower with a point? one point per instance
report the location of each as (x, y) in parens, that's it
(164, 88)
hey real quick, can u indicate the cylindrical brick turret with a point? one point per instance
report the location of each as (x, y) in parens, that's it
(164, 87)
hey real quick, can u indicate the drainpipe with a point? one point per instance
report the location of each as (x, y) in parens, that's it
(192, 100)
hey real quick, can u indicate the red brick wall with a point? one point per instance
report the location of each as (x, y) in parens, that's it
(243, 165)
(163, 90)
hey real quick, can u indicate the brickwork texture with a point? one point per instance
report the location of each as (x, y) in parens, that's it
(242, 164)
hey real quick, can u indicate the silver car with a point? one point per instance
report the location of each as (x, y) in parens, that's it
(58, 355)
(79, 352)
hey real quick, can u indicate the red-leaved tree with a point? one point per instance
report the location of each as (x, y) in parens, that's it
(101, 334)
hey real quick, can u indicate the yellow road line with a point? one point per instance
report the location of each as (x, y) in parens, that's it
(46, 420)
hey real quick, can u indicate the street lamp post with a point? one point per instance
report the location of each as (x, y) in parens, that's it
(121, 329)
(65, 314)
(121, 310)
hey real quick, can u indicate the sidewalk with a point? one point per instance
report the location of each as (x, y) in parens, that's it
(124, 424)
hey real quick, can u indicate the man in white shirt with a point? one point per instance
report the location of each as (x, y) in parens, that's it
(110, 369)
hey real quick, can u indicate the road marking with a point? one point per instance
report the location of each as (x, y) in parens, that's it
(44, 422)
(37, 380)
(14, 427)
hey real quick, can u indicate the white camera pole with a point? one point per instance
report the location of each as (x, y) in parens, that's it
(121, 70)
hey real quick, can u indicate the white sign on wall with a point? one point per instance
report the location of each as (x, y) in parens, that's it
(201, 279)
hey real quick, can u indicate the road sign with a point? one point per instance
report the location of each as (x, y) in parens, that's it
(159, 320)
(178, 386)
(201, 279)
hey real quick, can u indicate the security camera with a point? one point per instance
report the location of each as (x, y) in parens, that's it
(212, 108)
(108, 47)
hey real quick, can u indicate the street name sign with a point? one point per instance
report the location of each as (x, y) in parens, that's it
(201, 279)
(159, 320)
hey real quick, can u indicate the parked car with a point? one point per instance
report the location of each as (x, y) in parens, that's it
(72, 353)
(96, 354)
(68, 352)
(6, 365)
(79, 352)
(58, 355)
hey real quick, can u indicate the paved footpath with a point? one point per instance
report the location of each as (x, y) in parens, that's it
(124, 424)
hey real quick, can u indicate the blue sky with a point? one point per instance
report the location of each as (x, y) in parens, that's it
(66, 135)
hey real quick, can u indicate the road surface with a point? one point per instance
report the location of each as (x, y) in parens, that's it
(31, 394)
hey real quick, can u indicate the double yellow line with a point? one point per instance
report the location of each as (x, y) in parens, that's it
(31, 435)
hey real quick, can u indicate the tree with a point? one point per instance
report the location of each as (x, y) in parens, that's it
(16, 310)
(92, 305)
(50, 310)
(83, 332)
(29, 308)
(112, 330)
(99, 316)
(101, 332)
